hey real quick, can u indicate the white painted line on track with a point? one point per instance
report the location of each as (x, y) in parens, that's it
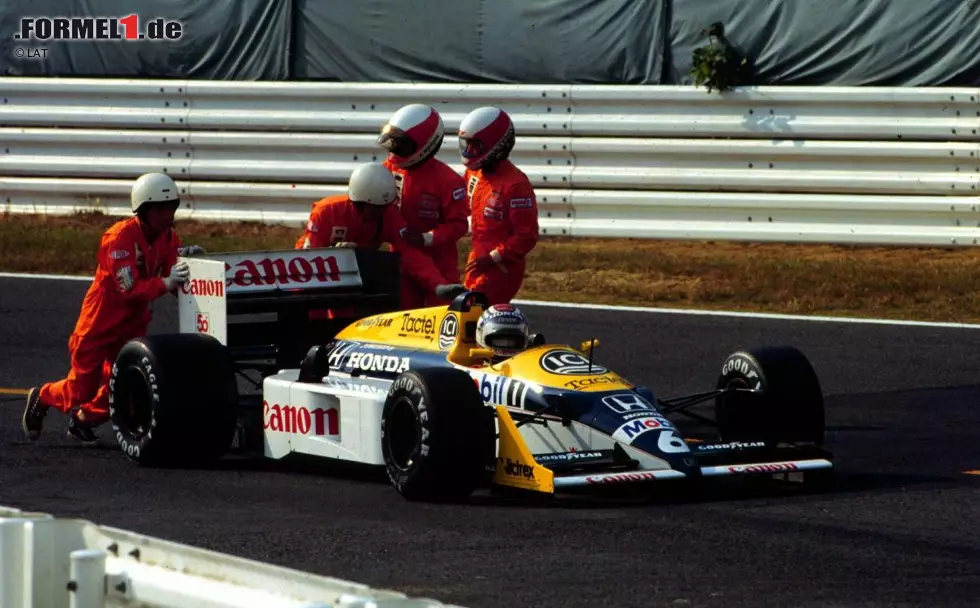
(643, 309)
(746, 315)
(52, 277)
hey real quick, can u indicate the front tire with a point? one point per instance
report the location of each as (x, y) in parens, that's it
(787, 405)
(436, 435)
(173, 400)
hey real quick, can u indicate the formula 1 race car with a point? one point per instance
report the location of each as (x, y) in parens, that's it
(347, 375)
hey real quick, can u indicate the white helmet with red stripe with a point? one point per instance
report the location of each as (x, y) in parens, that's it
(486, 134)
(412, 135)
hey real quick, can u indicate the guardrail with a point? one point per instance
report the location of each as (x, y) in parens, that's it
(60, 563)
(826, 164)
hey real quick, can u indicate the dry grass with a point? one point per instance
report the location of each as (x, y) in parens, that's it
(908, 283)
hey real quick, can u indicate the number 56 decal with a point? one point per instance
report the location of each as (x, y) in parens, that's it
(203, 323)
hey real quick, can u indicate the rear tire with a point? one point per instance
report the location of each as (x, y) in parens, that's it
(788, 407)
(437, 436)
(173, 400)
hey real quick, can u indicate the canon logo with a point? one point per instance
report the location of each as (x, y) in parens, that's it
(280, 271)
(203, 287)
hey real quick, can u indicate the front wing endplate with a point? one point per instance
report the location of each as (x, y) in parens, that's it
(516, 466)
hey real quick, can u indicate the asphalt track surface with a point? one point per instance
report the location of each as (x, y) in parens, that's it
(898, 529)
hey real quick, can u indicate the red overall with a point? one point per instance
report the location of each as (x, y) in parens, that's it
(504, 213)
(433, 203)
(115, 310)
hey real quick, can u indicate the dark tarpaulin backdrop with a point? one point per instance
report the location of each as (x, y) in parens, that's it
(838, 42)
(509, 41)
(792, 42)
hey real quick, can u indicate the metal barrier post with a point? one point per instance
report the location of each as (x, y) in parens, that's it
(15, 581)
(87, 585)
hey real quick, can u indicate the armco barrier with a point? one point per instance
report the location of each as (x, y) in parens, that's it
(61, 563)
(826, 164)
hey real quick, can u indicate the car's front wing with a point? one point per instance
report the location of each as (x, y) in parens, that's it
(640, 476)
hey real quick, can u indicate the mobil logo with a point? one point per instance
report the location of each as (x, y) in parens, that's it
(628, 432)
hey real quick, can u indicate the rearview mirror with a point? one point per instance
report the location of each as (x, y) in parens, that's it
(588, 346)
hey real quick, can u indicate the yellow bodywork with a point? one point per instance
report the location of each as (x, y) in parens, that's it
(417, 328)
(440, 330)
(516, 467)
(421, 329)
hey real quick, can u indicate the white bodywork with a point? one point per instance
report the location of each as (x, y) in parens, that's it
(341, 418)
(202, 302)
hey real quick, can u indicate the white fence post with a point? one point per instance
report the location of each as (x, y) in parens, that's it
(15, 575)
(87, 585)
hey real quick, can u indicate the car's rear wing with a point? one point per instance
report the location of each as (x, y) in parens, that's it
(273, 304)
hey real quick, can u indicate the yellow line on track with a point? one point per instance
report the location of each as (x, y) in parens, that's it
(14, 391)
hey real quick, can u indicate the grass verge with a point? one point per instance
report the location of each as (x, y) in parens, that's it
(933, 284)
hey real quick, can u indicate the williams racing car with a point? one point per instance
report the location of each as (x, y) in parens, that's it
(346, 375)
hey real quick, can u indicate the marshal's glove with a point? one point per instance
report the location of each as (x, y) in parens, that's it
(178, 276)
(481, 264)
(190, 250)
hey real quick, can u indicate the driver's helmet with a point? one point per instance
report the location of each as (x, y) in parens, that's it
(503, 329)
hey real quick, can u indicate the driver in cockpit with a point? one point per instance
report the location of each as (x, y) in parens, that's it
(502, 330)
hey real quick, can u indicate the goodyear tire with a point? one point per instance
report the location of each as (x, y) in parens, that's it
(173, 400)
(788, 405)
(437, 436)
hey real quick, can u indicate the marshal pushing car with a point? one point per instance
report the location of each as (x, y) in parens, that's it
(346, 375)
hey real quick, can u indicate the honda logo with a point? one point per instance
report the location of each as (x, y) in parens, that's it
(626, 402)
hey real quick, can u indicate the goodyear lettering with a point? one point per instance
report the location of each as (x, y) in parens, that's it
(378, 363)
(418, 325)
(424, 421)
(737, 364)
(375, 322)
(567, 457)
(406, 383)
(300, 420)
(734, 445)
